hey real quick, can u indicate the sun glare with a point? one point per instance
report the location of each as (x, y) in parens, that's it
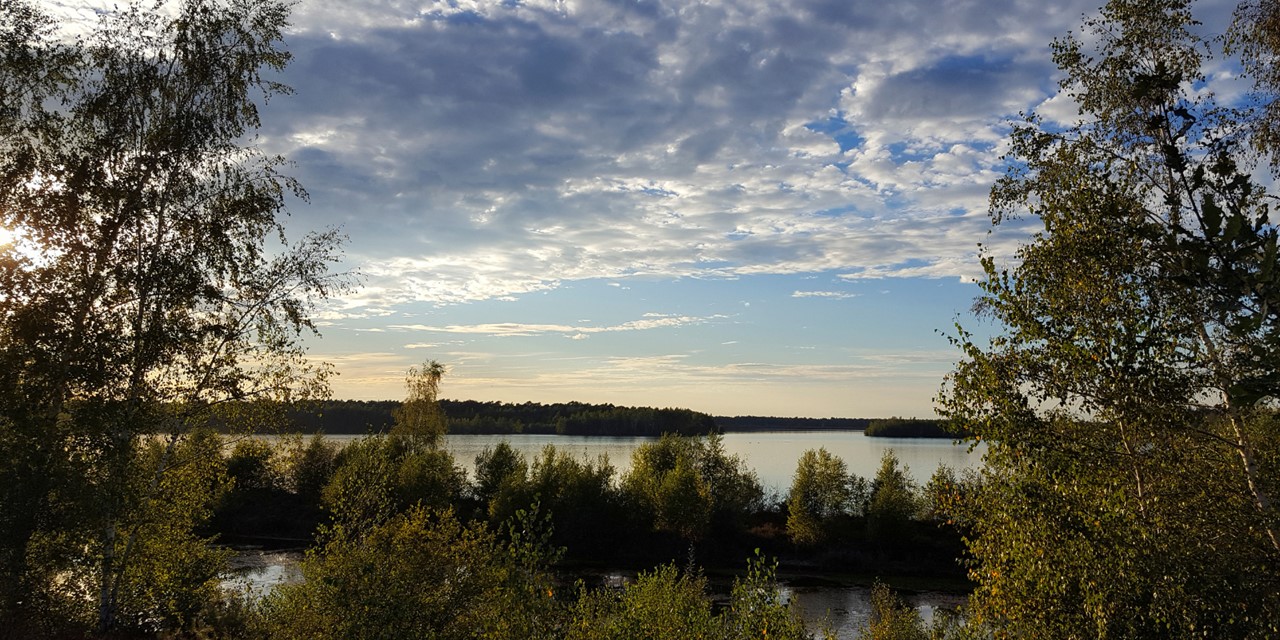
(17, 243)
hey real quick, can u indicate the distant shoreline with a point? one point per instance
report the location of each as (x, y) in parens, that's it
(359, 417)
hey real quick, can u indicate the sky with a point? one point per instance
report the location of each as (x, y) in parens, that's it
(740, 207)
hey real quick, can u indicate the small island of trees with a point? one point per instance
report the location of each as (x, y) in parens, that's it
(908, 428)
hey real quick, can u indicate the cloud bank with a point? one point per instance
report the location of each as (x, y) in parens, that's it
(477, 150)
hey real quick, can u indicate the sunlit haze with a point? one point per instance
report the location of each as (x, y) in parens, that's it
(764, 207)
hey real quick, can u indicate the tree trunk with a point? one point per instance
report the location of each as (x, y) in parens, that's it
(1244, 447)
(106, 599)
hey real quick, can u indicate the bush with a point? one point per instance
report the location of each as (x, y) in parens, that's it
(420, 574)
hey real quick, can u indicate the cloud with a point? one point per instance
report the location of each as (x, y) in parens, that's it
(484, 149)
(576, 332)
(838, 295)
(487, 150)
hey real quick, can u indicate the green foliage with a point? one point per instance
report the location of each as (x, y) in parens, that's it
(894, 503)
(577, 495)
(1255, 37)
(250, 466)
(429, 478)
(472, 416)
(944, 492)
(757, 609)
(495, 467)
(309, 467)
(376, 477)
(142, 292)
(821, 491)
(1126, 403)
(689, 485)
(891, 618)
(668, 603)
(420, 574)
(362, 492)
(419, 422)
(776, 423)
(159, 574)
(166, 573)
(664, 603)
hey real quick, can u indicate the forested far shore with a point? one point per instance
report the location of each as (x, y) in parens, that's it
(475, 417)
(356, 417)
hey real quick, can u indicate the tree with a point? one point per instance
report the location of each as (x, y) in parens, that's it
(577, 496)
(1128, 402)
(894, 503)
(142, 292)
(891, 618)
(663, 603)
(1255, 37)
(376, 478)
(251, 468)
(172, 575)
(420, 422)
(735, 489)
(422, 574)
(687, 485)
(309, 466)
(820, 491)
(667, 603)
(758, 610)
(496, 466)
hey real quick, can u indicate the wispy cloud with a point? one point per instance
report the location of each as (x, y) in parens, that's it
(837, 295)
(577, 332)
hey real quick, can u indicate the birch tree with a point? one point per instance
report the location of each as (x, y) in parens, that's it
(1129, 399)
(147, 281)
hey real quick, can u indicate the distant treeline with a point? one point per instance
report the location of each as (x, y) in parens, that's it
(474, 417)
(580, 418)
(908, 428)
(765, 423)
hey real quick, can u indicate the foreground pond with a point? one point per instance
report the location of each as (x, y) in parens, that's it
(842, 608)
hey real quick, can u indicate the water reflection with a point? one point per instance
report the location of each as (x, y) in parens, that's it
(256, 573)
(846, 609)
